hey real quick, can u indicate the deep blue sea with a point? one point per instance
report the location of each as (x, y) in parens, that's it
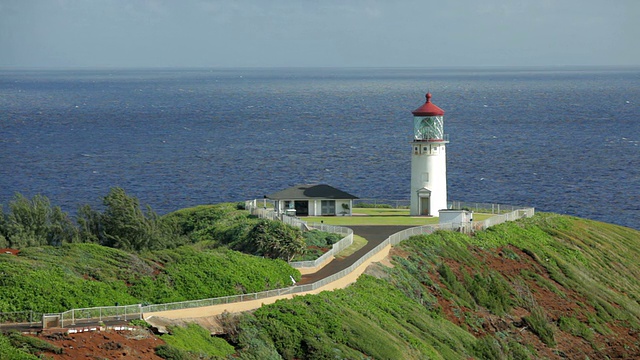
(561, 140)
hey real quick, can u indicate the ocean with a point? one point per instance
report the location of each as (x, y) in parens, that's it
(563, 140)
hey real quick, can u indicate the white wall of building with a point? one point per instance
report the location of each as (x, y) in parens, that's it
(429, 170)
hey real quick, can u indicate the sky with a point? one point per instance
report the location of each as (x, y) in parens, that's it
(318, 33)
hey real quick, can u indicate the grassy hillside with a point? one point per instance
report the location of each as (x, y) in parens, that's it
(547, 287)
(52, 279)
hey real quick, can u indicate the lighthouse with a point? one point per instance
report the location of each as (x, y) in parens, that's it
(428, 160)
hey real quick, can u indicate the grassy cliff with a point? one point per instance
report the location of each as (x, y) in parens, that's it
(549, 287)
(54, 279)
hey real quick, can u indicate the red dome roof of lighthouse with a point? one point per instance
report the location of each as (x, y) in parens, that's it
(428, 109)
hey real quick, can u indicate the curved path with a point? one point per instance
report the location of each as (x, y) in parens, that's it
(375, 235)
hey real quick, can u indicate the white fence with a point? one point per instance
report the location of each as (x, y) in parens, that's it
(91, 316)
(79, 317)
(25, 319)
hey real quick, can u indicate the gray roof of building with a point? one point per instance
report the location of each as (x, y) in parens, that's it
(318, 191)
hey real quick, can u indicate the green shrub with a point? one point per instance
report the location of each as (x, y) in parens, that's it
(540, 326)
(277, 240)
(32, 344)
(10, 351)
(369, 206)
(195, 341)
(320, 239)
(169, 352)
(490, 291)
(317, 243)
(487, 347)
(576, 328)
(140, 323)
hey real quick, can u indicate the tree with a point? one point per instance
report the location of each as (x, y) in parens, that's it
(34, 222)
(90, 227)
(125, 226)
(124, 223)
(277, 240)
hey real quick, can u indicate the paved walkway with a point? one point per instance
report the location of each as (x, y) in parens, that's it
(375, 235)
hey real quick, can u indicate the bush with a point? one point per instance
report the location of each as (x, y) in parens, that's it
(169, 352)
(574, 327)
(317, 243)
(369, 205)
(196, 342)
(32, 344)
(277, 240)
(321, 239)
(9, 352)
(540, 326)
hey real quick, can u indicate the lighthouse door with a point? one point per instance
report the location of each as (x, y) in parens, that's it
(424, 206)
(424, 195)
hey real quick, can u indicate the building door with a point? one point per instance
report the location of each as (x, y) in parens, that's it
(328, 207)
(424, 206)
(302, 207)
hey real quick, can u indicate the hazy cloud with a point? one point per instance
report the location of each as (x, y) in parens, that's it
(201, 33)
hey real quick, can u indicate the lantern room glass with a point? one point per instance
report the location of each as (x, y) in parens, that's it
(428, 128)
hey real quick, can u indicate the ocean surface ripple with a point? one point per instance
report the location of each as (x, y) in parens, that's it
(561, 140)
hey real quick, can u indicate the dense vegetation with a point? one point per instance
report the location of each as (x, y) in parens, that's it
(317, 243)
(190, 259)
(15, 346)
(53, 279)
(548, 287)
(192, 342)
(123, 224)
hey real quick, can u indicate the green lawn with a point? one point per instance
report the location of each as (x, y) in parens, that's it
(358, 243)
(375, 216)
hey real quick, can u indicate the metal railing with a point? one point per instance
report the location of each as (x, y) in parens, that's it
(20, 318)
(79, 317)
(90, 316)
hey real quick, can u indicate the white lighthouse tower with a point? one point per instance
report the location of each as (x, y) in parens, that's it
(428, 160)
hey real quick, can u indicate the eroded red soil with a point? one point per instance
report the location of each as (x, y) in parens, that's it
(621, 343)
(136, 344)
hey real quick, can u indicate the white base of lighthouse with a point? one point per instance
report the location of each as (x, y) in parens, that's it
(428, 178)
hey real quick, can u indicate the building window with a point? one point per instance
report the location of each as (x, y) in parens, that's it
(328, 207)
